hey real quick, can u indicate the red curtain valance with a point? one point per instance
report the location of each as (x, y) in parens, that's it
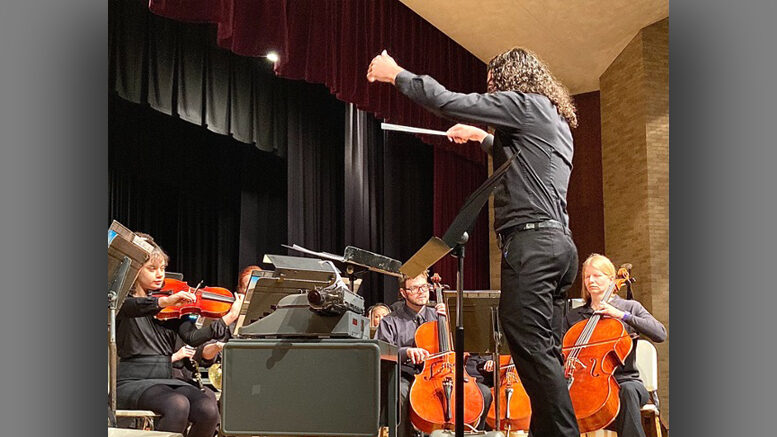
(332, 42)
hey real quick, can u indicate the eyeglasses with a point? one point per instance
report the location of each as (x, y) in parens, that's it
(423, 288)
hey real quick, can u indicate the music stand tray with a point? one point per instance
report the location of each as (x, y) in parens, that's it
(123, 242)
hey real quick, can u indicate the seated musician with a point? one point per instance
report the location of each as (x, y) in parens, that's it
(186, 358)
(598, 273)
(146, 345)
(398, 328)
(210, 352)
(481, 367)
(376, 313)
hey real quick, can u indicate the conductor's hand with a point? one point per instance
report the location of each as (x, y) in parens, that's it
(440, 308)
(417, 355)
(178, 298)
(608, 310)
(489, 366)
(383, 68)
(461, 133)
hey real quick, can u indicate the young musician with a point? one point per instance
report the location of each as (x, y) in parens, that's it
(244, 277)
(376, 313)
(531, 113)
(598, 274)
(398, 328)
(146, 345)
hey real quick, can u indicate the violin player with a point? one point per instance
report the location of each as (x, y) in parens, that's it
(598, 273)
(531, 113)
(209, 353)
(145, 348)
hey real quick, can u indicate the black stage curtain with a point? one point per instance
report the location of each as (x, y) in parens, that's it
(315, 168)
(388, 196)
(213, 203)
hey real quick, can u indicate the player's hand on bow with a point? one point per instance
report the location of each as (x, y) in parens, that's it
(417, 355)
(178, 298)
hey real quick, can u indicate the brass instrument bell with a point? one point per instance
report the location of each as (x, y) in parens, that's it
(214, 375)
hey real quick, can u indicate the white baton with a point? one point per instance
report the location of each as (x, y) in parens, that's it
(412, 130)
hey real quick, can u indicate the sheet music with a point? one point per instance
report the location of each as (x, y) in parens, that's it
(325, 255)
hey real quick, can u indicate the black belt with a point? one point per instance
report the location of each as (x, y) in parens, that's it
(530, 226)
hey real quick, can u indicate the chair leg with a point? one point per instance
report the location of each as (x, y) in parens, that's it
(657, 424)
(652, 425)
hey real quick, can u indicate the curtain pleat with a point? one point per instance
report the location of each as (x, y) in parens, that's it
(217, 87)
(162, 59)
(241, 93)
(191, 73)
(129, 39)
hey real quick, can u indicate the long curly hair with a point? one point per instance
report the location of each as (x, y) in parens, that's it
(519, 69)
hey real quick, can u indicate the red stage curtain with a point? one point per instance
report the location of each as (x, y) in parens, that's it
(455, 179)
(332, 42)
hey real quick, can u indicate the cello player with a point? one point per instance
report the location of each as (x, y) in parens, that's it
(598, 273)
(398, 328)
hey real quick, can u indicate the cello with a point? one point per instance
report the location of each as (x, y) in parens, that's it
(432, 396)
(515, 411)
(592, 350)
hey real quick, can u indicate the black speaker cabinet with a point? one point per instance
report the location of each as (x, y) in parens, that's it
(120, 432)
(316, 387)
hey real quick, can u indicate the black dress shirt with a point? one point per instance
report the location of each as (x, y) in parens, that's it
(522, 121)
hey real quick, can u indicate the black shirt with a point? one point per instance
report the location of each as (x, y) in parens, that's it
(138, 333)
(524, 121)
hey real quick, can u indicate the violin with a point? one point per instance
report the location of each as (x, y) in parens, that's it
(432, 396)
(515, 410)
(212, 302)
(592, 350)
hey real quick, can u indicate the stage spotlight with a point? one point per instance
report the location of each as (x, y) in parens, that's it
(272, 57)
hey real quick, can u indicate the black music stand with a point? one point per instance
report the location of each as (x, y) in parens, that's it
(481, 312)
(453, 242)
(355, 262)
(126, 255)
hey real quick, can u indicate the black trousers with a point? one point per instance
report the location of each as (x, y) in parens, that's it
(538, 267)
(628, 422)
